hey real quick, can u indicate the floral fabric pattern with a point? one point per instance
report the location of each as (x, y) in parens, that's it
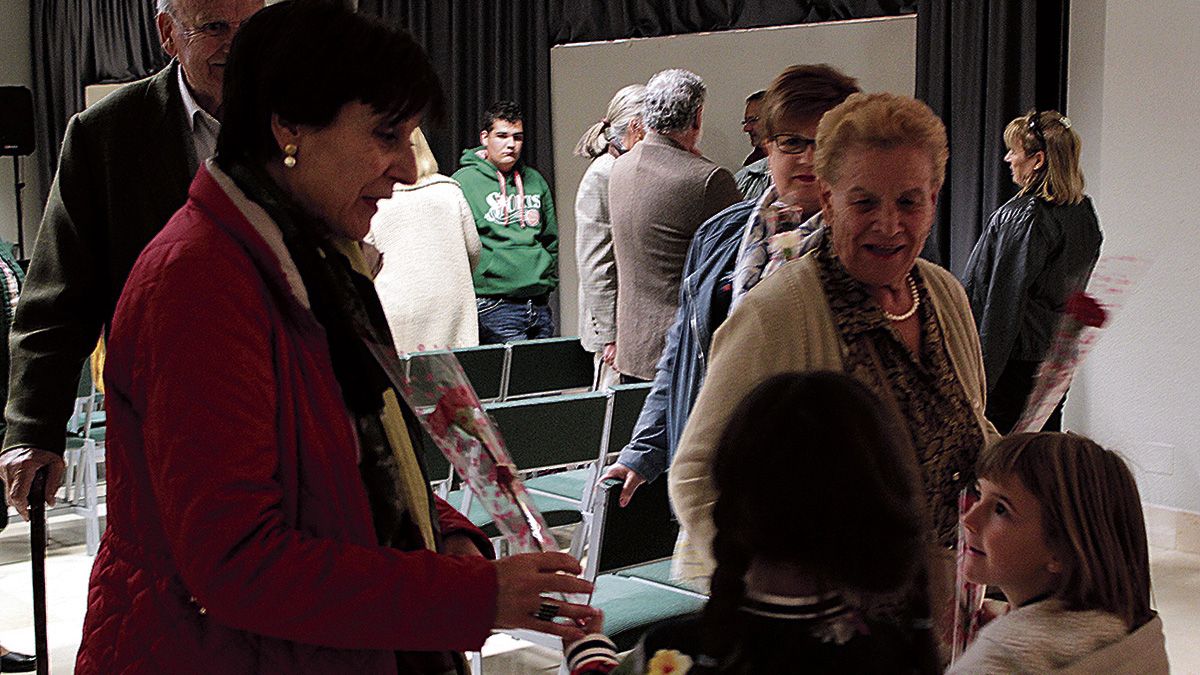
(928, 395)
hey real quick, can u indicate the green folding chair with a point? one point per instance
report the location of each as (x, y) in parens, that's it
(551, 365)
(485, 366)
(621, 540)
(627, 402)
(548, 434)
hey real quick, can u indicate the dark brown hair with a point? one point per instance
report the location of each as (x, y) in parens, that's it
(804, 92)
(304, 60)
(807, 459)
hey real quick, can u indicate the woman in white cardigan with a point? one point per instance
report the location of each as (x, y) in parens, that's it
(862, 303)
(615, 134)
(427, 237)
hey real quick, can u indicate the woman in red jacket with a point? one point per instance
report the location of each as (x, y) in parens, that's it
(268, 510)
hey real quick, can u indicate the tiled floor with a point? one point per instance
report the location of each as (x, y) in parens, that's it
(1176, 583)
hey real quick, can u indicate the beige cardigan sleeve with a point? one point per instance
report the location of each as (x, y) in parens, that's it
(962, 340)
(783, 325)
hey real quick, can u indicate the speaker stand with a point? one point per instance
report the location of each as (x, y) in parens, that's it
(17, 185)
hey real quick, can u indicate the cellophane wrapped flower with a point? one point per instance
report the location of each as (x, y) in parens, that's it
(438, 391)
(1077, 330)
(968, 596)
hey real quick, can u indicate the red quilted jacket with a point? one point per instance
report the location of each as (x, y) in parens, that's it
(239, 538)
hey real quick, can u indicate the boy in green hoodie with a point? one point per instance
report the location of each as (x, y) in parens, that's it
(514, 213)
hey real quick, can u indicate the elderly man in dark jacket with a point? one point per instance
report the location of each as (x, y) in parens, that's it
(659, 193)
(123, 171)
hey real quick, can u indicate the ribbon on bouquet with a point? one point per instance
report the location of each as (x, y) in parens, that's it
(1078, 329)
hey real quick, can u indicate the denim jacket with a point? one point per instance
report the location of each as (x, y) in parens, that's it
(684, 361)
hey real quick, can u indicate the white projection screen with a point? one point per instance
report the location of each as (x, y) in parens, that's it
(881, 53)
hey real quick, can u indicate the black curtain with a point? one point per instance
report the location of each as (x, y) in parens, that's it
(76, 44)
(979, 65)
(585, 20)
(484, 50)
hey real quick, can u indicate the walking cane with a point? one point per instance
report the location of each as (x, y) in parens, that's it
(37, 537)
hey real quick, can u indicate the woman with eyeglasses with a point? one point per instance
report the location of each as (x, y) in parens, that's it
(1036, 251)
(861, 303)
(730, 253)
(612, 136)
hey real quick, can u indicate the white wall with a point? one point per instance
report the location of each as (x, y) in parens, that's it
(1132, 92)
(881, 53)
(16, 69)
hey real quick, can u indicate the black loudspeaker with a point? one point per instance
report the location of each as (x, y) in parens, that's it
(16, 121)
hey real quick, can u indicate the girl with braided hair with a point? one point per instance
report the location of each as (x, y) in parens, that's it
(828, 517)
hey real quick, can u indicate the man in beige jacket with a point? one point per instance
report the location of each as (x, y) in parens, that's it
(659, 194)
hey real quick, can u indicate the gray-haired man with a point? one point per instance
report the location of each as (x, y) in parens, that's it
(659, 193)
(124, 169)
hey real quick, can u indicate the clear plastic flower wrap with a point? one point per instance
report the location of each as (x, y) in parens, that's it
(438, 391)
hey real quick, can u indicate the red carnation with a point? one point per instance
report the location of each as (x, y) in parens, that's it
(1086, 310)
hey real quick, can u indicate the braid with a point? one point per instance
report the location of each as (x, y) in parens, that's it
(719, 626)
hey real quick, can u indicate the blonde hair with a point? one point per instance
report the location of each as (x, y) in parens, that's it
(1059, 180)
(624, 108)
(881, 121)
(426, 163)
(1091, 516)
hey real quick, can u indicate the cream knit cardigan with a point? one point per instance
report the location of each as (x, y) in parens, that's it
(430, 247)
(1046, 638)
(785, 325)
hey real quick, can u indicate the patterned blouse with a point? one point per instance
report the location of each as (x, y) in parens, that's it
(924, 386)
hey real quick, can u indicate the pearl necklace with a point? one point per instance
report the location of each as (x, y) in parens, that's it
(916, 302)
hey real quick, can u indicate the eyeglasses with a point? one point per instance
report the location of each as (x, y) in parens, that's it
(752, 119)
(1035, 127)
(793, 144)
(217, 29)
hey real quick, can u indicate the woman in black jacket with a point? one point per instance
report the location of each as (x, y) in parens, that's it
(1036, 251)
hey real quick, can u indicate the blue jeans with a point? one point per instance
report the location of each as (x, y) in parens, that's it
(507, 320)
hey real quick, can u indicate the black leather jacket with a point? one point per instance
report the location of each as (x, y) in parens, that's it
(1031, 257)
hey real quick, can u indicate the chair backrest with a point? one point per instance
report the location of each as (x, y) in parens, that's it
(627, 402)
(89, 403)
(622, 537)
(435, 462)
(549, 365)
(553, 430)
(484, 366)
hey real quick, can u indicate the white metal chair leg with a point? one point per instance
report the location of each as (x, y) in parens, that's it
(91, 498)
(580, 536)
(475, 660)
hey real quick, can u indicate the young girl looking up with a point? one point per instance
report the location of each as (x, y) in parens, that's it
(1058, 528)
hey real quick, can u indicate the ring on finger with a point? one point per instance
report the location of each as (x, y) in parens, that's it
(547, 611)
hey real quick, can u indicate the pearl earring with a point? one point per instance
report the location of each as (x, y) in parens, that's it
(289, 151)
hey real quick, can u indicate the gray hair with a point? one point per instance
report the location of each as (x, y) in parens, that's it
(623, 109)
(165, 6)
(673, 97)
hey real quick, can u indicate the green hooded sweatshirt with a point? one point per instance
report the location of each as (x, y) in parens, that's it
(518, 231)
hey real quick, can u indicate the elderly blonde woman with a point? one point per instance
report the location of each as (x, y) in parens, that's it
(1037, 250)
(863, 304)
(612, 136)
(427, 236)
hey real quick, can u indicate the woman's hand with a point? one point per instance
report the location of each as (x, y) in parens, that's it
(523, 581)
